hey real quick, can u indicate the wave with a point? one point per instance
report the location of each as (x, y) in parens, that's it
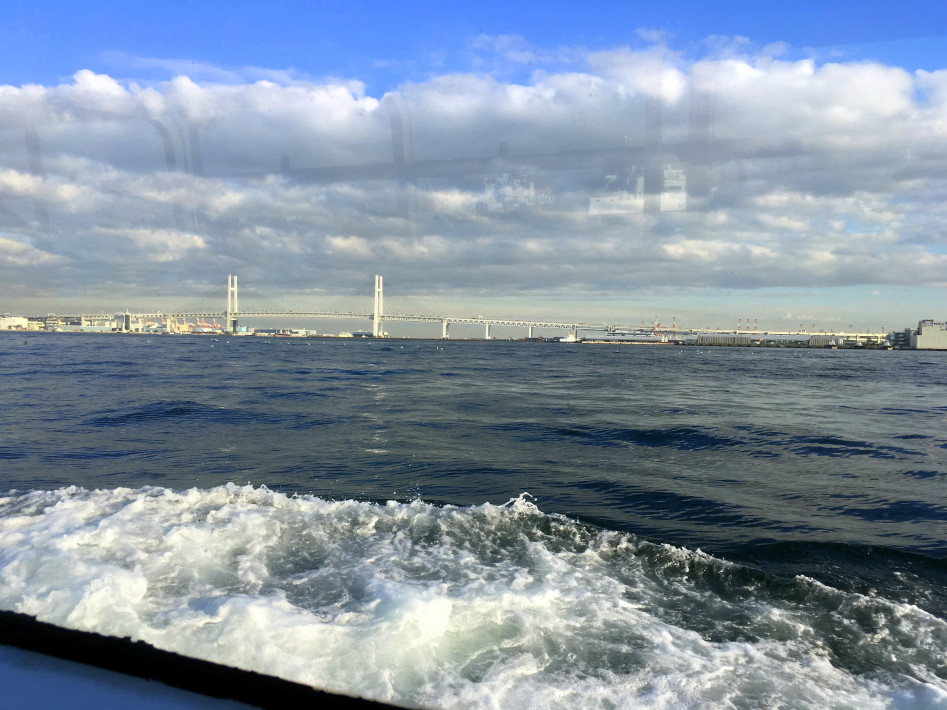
(443, 606)
(191, 413)
(758, 443)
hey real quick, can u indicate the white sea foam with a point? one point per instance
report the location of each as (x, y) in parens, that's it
(490, 606)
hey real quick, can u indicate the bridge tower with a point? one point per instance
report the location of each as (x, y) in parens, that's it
(377, 318)
(232, 305)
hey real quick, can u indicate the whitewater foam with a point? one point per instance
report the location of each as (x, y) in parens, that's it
(486, 606)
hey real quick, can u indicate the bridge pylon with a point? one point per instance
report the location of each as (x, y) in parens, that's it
(232, 304)
(377, 317)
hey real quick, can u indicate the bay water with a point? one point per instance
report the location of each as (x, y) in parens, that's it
(489, 524)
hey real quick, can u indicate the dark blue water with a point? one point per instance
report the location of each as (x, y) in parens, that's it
(793, 464)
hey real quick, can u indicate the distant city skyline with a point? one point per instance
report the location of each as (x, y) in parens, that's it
(545, 160)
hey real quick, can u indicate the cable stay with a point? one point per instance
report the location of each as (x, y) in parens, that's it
(253, 302)
(399, 304)
(356, 302)
(212, 302)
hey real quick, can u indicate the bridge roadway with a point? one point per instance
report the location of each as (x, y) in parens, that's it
(446, 321)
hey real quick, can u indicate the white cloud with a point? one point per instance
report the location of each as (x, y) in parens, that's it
(653, 36)
(501, 51)
(20, 253)
(424, 248)
(159, 244)
(16, 184)
(199, 71)
(783, 222)
(349, 245)
(58, 193)
(652, 72)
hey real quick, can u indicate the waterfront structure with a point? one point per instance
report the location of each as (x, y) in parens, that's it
(901, 339)
(930, 335)
(725, 339)
(8, 322)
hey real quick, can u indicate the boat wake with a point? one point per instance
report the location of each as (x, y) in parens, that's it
(442, 606)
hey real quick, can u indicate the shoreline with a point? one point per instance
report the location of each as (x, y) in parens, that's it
(760, 344)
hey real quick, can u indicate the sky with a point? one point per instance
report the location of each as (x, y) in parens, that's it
(620, 162)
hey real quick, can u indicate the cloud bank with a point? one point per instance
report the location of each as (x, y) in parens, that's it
(599, 178)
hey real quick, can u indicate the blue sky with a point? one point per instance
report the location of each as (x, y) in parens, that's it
(141, 147)
(43, 41)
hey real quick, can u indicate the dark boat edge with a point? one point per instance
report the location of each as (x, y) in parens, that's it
(139, 659)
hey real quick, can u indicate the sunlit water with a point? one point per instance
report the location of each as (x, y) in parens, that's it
(490, 524)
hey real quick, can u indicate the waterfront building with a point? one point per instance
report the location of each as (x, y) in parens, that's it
(8, 322)
(930, 335)
(901, 339)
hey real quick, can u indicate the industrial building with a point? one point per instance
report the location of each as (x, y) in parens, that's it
(9, 322)
(930, 335)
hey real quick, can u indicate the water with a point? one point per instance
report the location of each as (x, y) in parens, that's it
(490, 524)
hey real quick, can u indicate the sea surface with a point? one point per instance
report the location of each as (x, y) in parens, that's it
(490, 524)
